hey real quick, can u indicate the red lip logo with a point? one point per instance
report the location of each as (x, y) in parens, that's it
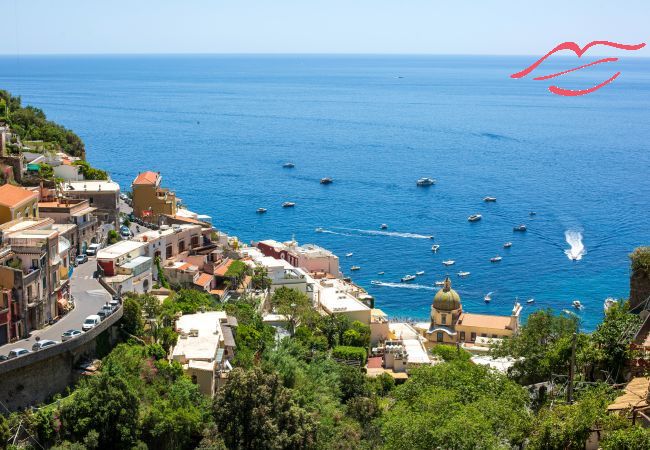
(575, 48)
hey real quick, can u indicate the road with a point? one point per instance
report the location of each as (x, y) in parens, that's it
(89, 297)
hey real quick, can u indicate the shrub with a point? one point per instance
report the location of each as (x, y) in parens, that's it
(350, 353)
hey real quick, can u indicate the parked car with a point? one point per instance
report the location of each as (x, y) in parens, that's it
(66, 336)
(91, 322)
(92, 249)
(80, 259)
(108, 310)
(43, 343)
(114, 303)
(15, 353)
(3, 358)
(102, 314)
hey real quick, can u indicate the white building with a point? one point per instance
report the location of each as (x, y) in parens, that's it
(125, 266)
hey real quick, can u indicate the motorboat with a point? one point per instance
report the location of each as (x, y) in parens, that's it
(349, 254)
(261, 210)
(609, 302)
(406, 278)
(507, 245)
(425, 181)
(288, 204)
(521, 228)
(419, 273)
(383, 226)
(431, 237)
(496, 259)
(288, 165)
(532, 213)
(463, 274)
(475, 217)
(326, 180)
(380, 273)
(490, 199)
(530, 300)
(319, 230)
(576, 304)
(355, 268)
(439, 283)
(449, 262)
(375, 282)
(488, 297)
(435, 247)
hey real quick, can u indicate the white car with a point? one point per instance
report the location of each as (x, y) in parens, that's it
(15, 353)
(91, 322)
(92, 249)
(43, 343)
(70, 334)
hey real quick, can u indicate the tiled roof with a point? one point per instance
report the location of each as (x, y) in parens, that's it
(12, 196)
(146, 178)
(222, 269)
(203, 279)
(484, 320)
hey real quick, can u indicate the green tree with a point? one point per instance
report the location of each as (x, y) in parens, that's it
(162, 279)
(292, 304)
(113, 237)
(5, 433)
(132, 317)
(633, 438)
(255, 411)
(90, 173)
(260, 279)
(46, 171)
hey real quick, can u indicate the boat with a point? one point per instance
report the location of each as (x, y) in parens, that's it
(488, 297)
(288, 165)
(288, 204)
(380, 273)
(349, 254)
(609, 302)
(383, 226)
(319, 230)
(425, 181)
(569, 313)
(261, 210)
(507, 245)
(521, 228)
(431, 237)
(496, 259)
(532, 213)
(435, 247)
(449, 262)
(490, 199)
(576, 304)
(355, 268)
(419, 273)
(326, 180)
(463, 274)
(475, 217)
(530, 300)
(406, 278)
(439, 283)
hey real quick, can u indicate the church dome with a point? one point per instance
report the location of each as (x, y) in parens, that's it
(446, 299)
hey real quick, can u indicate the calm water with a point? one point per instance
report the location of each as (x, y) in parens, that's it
(220, 127)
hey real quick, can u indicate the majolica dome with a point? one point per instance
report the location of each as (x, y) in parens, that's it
(446, 299)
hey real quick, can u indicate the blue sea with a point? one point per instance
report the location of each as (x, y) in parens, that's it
(219, 128)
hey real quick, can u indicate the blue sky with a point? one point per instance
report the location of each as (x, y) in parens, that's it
(316, 26)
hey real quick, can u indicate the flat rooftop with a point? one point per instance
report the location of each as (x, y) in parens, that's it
(204, 346)
(417, 353)
(484, 321)
(119, 249)
(135, 262)
(91, 186)
(335, 296)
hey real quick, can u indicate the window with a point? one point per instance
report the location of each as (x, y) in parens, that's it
(27, 212)
(194, 380)
(462, 336)
(494, 336)
(181, 246)
(440, 337)
(444, 319)
(483, 335)
(473, 337)
(168, 252)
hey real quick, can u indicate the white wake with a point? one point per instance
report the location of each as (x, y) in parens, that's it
(389, 233)
(402, 285)
(577, 250)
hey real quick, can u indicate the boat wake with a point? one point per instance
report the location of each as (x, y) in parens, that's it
(402, 285)
(323, 230)
(577, 250)
(387, 233)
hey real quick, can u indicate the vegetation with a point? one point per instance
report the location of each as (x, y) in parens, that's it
(260, 279)
(640, 259)
(90, 173)
(350, 353)
(236, 272)
(162, 279)
(113, 237)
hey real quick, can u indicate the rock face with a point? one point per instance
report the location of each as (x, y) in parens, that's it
(640, 279)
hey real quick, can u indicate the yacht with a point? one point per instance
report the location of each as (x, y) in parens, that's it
(496, 259)
(406, 278)
(449, 262)
(319, 230)
(439, 283)
(326, 180)
(521, 227)
(488, 297)
(288, 165)
(424, 181)
(490, 199)
(355, 268)
(419, 273)
(435, 247)
(530, 300)
(349, 254)
(609, 302)
(463, 274)
(507, 245)
(383, 226)
(380, 273)
(261, 210)
(576, 304)
(288, 204)
(475, 217)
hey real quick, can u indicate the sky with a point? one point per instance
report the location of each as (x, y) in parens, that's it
(474, 27)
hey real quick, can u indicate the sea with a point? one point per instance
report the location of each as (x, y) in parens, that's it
(220, 127)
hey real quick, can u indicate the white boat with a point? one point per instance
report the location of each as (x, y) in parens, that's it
(439, 283)
(532, 213)
(475, 217)
(431, 237)
(530, 300)
(490, 199)
(261, 210)
(496, 259)
(326, 180)
(449, 262)
(319, 230)
(406, 278)
(349, 254)
(419, 273)
(288, 204)
(380, 273)
(463, 274)
(383, 226)
(521, 227)
(288, 165)
(609, 302)
(425, 181)
(569, 313)
(355, 268)
(576, 304)
(488, 297)
(435, 247)
(507, 245)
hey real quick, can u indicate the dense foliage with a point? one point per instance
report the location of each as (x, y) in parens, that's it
(90, 173)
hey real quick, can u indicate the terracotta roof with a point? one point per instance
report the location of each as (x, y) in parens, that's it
(203, 279)
(375, 362)
(184, 266)
(484, 320)
(217, 291)
(146, 178)
(634, 395)
(12, 196)
(222, 269)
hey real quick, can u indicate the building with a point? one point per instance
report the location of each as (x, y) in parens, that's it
(125, 266)
(17, 203)
(335, 296)
(170, 241)
(449, 324)
(104, 196)
(205, 347)
(77, 212)
(309, 257)
(150, 200)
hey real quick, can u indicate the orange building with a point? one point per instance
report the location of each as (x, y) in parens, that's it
(17, 203)
(150, 201)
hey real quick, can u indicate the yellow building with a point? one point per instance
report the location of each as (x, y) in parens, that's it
(449, 324)
(17, 203)
(150, 201)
